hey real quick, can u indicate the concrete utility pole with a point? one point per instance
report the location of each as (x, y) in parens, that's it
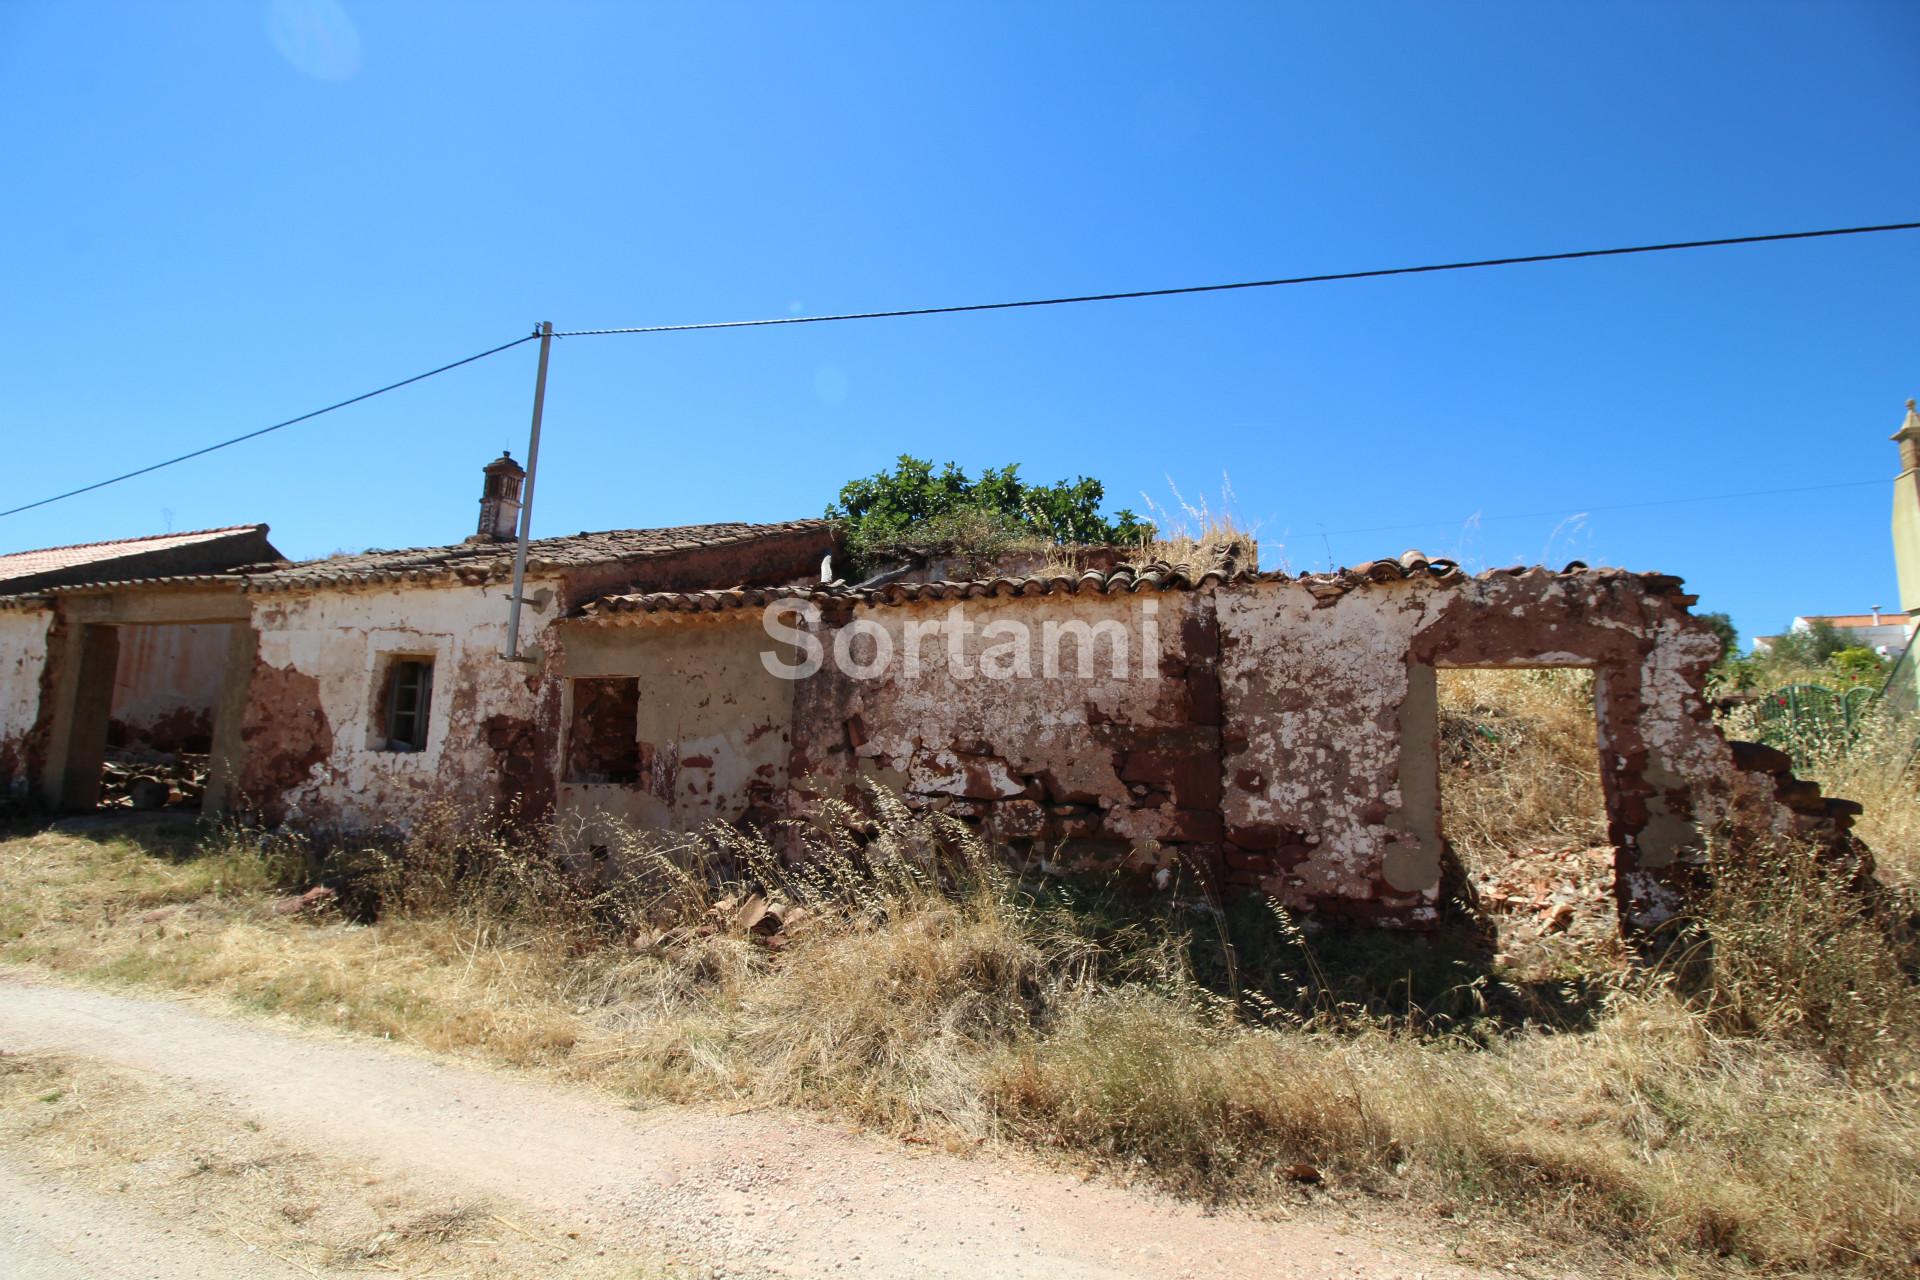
(526, 499)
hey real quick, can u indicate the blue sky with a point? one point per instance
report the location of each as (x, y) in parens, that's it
(222, 214)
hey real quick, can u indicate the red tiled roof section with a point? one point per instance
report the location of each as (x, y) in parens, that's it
(483, 561)
(157, 555)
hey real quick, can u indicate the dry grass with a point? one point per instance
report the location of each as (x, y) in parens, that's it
(1196, 533)
(1875, 768)
(1520, 761)
(1765, 1121)
(1523, 812)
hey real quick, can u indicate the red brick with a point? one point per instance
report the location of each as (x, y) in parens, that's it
(1193, 776)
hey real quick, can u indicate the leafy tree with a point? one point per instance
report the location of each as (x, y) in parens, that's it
(1736, 675)
(1811, 647)
(915, 509)
(1857, 664)
(1722, 625)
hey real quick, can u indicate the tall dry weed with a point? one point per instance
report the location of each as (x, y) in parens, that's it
(1199, 534)
(1799, 955)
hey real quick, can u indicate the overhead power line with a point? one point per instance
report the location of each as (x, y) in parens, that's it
(1565, 513)
(1325, 278)
(253, 435)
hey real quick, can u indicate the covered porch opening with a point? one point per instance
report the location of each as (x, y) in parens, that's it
(159, 736)
(148, 695)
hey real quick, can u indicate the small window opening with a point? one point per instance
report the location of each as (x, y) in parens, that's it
(603, 745)
(409, 704)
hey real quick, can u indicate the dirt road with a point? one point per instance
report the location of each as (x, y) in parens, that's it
(760, 1193)
(52, 1232)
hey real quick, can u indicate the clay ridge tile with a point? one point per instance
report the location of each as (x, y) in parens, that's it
(1157, 576)
(1153, 576)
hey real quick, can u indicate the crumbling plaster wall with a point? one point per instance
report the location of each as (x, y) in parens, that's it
(1289, 741)
(315, 752)
(712, 730)
(1279, 735)
(1331, 727)
(1315, 808)
(1106, 765)
(311, 747)
(23, 660)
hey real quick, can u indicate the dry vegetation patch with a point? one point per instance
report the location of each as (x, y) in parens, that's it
(1878, 766)
(1764, 1120)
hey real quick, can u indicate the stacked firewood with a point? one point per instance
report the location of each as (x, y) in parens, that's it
(139, 778)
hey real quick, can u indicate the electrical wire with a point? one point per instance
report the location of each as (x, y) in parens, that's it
(1563, 513)
(254, 435)
(1374, 274)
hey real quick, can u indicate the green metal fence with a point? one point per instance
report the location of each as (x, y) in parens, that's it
(1806, 720)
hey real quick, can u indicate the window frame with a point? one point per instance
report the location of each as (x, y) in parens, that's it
(419, 691)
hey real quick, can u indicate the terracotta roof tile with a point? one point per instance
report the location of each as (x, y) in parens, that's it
(1155, 576)
(40, 597)
(33, 564)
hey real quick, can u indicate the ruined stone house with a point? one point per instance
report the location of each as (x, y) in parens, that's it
(348, 691)
(1279, 731)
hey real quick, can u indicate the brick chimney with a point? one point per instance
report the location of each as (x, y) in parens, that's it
(500, 500)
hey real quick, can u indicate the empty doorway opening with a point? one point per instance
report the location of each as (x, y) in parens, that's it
(167, 680)
(1523, 809)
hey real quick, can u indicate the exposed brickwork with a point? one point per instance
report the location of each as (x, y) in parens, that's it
(522, 758)
(287, 736)
(602, 746)
(33, 749)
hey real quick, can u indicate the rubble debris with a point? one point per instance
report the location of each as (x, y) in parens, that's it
(771, 922)
(316, 899)
(144, 779)
(149, 793)
(1550, 904)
